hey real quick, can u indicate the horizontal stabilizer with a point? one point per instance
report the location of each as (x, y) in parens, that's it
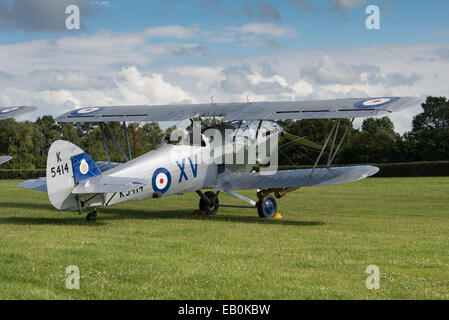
(105, 184)
(295, 178)
(39, 184)
(5, 159)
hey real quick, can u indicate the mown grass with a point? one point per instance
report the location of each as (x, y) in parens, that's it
(157, 249)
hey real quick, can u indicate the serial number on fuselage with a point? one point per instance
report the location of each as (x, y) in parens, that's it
(130, 193)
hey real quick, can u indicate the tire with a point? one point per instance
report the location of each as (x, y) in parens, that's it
(267, 207)
(91, 216)
(210, 209)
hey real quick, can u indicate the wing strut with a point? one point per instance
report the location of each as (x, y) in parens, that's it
(125, 127)
(332, 156)
(332, 153)
(116, 142)
(105, 144)
(322, 150)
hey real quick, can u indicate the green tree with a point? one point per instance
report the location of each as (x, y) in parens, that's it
(152, 134)
(316, 130)
(25, 145)
(429, 138)
(50, 132)
(375, 142)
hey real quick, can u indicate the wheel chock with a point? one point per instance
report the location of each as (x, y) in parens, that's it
(278, 216)
(199, 213)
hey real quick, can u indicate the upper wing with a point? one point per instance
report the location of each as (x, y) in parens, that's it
(313, 109)
(5, 159)
(294, 178)
(12, 112)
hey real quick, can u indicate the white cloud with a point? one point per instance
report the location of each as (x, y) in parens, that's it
(302, 88)
(327, 71)
(127, 68)
(176, 31)
(202, 77)
(100, 3)
(98, 52)
(270, 29)
(129, 87)
(137, 89)
(345, 5)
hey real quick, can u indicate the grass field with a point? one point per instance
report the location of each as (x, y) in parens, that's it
(157, 249)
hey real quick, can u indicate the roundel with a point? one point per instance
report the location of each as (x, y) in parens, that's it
(8, 110)
(161, 180)
(84, 111)
(372, 103)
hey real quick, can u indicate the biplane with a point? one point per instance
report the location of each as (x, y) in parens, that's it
(11, 112)
(205, 162)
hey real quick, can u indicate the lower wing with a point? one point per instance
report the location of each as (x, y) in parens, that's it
(295, 178)
(5, 159)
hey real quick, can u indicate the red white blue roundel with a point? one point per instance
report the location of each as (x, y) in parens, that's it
(85, 111)
(8, 110)
(161, 180)
(374, 103)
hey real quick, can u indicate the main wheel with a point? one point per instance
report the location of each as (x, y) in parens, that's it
(92, 216)
(211, 208)
(267, 207)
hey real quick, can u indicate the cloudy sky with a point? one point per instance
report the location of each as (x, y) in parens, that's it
(154, 52)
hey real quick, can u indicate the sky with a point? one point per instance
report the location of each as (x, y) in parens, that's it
(160, 52)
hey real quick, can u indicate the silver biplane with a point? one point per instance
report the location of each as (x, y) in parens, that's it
(75, 182)
(11, 112)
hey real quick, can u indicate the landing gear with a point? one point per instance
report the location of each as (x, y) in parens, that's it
(267, 207)
(210, 207)
(92, 216)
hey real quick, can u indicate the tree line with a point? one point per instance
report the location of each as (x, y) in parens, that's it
(375, 142)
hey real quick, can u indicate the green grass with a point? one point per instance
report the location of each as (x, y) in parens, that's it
(157, 249)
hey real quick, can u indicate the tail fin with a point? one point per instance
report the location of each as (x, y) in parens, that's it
(67, 165)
